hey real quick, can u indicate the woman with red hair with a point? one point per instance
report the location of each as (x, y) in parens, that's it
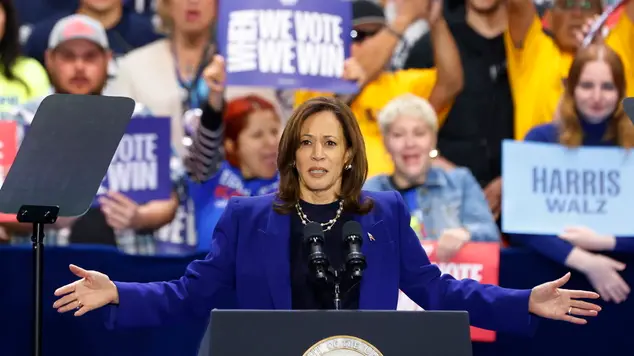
(591, 114)
(251, 135)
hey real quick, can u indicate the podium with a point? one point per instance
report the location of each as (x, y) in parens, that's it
(339, 333)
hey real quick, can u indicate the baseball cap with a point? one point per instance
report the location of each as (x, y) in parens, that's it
(78, 27)
(367, 12)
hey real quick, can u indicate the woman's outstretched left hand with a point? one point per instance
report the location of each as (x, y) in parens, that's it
(548, 300)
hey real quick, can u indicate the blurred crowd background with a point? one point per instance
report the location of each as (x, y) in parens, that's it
(442, 85)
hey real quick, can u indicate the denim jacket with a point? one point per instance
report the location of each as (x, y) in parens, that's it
(447, 199)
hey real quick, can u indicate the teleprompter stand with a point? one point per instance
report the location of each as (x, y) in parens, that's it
(58, 169)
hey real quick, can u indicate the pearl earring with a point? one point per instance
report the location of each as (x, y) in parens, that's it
(433, 153)
(348, 167)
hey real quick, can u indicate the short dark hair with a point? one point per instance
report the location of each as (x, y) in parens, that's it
(352, 180)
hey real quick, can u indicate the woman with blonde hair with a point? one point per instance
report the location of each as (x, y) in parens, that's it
(446, 205)
(591, 114)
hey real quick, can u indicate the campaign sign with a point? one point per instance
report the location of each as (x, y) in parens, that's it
(140, 169)
(479, 261)
(286, 44)
(548, 187)
(8, 151)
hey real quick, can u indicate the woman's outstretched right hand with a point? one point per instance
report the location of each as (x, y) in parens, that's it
(92, 291)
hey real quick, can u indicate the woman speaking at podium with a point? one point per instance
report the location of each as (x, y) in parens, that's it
(259, 261)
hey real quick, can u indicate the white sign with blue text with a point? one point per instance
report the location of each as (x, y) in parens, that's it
(548, 187)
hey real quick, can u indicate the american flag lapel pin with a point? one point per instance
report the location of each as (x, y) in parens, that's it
(370, 237)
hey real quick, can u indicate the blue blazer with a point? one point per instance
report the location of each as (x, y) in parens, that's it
(249, 268)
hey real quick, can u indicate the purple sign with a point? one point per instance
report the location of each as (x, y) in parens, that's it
(140, 169)
(286, 44)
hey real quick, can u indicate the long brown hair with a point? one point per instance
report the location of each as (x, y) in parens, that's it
(351, 180)
(620, 128)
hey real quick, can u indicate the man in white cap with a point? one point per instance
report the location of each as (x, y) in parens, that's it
(77, 62)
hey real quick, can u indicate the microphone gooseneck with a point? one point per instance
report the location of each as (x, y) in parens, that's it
(355, 260)
(317, 260)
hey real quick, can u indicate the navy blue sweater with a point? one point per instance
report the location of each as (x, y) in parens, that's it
(549, 245)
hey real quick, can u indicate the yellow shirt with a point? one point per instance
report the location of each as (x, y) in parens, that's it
(13, 93)
(372, 99)
(538, 69)
(621, 40)
(536, 73)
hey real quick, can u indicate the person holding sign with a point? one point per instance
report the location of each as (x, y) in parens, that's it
(77, 61)
(439, 85)
(591, 115)
(258, 261)
(447, 206)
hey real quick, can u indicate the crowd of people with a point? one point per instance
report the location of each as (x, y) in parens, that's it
(441, 86)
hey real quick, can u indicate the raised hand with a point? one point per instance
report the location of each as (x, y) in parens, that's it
(409, 11)
(581, 33)
(215, 75)
(548, 300)
(92, 291)
(353, 71)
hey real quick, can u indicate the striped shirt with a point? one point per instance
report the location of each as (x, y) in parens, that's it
(206, 152)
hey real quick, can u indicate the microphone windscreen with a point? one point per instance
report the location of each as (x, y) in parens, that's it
(313, 229)
(351, 228)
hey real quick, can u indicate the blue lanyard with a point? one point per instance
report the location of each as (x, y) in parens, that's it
(191, 88)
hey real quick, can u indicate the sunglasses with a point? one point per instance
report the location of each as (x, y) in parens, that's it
(358, 36)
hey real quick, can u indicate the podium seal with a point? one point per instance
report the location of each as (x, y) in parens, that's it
(343, 345)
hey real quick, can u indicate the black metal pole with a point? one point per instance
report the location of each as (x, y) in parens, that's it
(38, 269)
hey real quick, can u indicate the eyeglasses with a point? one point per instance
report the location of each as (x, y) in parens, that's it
(360, 36)
(575, 4)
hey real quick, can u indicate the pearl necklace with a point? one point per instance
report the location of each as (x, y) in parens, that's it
(327, 225)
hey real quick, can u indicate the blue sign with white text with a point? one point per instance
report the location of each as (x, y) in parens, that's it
(286, 44)
(548, 187)
(140, 168)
